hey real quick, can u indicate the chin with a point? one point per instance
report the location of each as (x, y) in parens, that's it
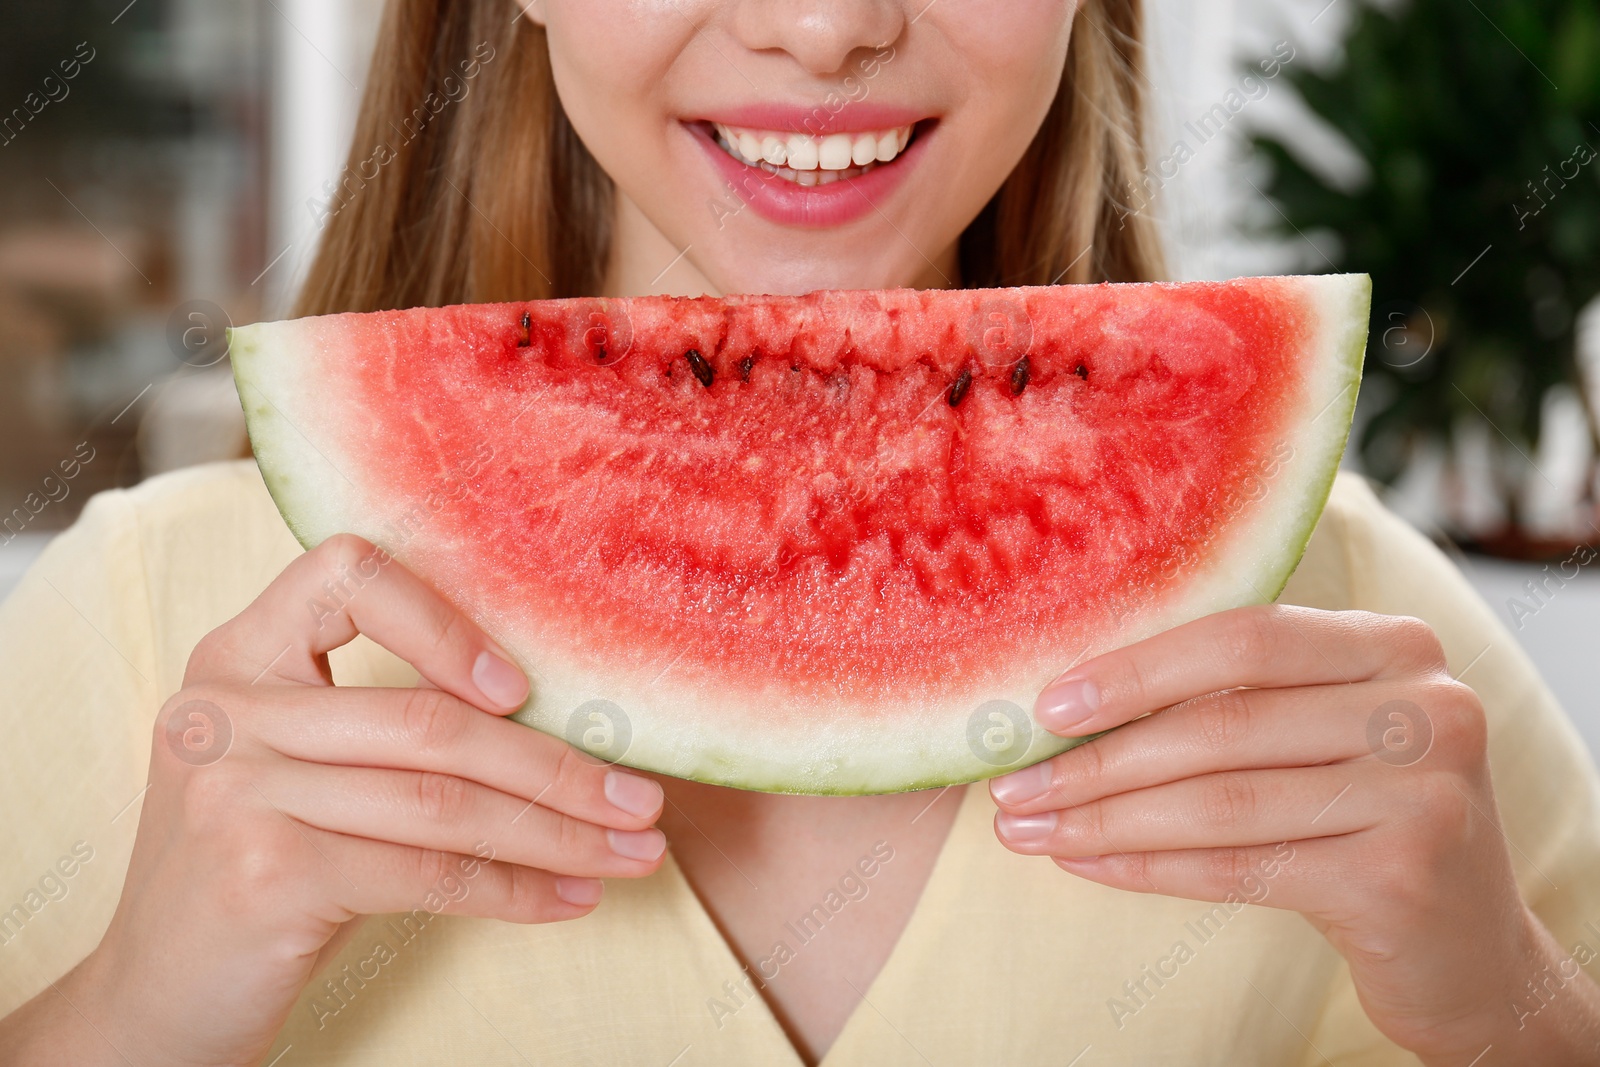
(751, 265)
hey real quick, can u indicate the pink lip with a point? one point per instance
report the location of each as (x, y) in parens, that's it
(813, 206)
(851, 117)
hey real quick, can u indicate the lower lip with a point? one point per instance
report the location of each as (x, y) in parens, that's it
(815, 206)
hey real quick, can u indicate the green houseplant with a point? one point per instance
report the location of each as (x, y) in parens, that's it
(1479, 220)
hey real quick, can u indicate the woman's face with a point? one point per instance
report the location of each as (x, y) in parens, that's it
(781, 146)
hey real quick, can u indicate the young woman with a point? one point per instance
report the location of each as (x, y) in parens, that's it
(1327, 759)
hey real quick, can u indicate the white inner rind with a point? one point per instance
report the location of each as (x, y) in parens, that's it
(792, 746)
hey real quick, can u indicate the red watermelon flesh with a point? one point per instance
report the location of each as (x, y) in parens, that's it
(832, 543)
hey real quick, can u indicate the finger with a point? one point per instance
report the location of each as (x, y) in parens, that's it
(449, 814)
(367, 877)
(341, 588)
(1237, 729)
(430, 730)
(1267, 646)
(1228, 809)
(1290, 874)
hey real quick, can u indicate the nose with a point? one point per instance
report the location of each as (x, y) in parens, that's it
(819, 34)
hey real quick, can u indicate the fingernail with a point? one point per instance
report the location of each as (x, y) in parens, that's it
(633, 794)
(1019, 787)
(1067, 705)
(499, 680)
(646, 845)
(1026, 827)
(580, 892)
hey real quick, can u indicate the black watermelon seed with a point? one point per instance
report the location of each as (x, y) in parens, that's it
(744, 368)
(1019, 376)
(1081, 371)
(527, 325)
(959, 389)
(600, 354)
(701, 368)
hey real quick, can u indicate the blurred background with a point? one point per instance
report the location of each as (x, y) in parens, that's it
(159, 164)
(161, 161)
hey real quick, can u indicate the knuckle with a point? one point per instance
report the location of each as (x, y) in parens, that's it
(262, 864)
(1085, 823)
(1135, 680)
(1222, 721)
(1416, 640)
(431, 721)
(570, 771)
(528, 896)
(1226, 800)
(1439, 822)
(1380, 950)
(1136, 868)
(1460, 725)
(441, 799)
(198, 726)
(188, 693)
(445, 627)
(210, 653)
(1227, 867)
(237, 831)
(345, 558)
(571, 841)
(433, 866)
(1390, 876)
(1089, 767)
(342, 551)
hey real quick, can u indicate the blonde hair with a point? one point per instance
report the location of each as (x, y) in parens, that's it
(467, 184)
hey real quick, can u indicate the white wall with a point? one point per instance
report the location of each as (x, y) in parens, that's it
(1199, 50)
(320, 54)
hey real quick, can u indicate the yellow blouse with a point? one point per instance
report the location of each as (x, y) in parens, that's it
(1006, 960)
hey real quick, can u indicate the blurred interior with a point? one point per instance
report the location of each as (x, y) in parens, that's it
(160, 192)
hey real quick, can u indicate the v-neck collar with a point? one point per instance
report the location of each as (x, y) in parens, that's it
(952, 852)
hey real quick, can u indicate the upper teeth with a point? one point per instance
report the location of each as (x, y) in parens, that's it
(801, 151)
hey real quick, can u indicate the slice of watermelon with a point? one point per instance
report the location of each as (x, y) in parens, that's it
(826, 544)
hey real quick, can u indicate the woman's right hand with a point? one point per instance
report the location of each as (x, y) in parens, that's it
(328, 804)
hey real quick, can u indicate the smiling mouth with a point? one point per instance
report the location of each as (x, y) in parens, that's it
(808, 160)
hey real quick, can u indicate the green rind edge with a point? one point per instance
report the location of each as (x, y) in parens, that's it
(243, 351)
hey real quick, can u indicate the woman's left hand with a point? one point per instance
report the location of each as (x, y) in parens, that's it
(1330, 757)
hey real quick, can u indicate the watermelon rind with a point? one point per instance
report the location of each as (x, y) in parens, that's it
(694, 734)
